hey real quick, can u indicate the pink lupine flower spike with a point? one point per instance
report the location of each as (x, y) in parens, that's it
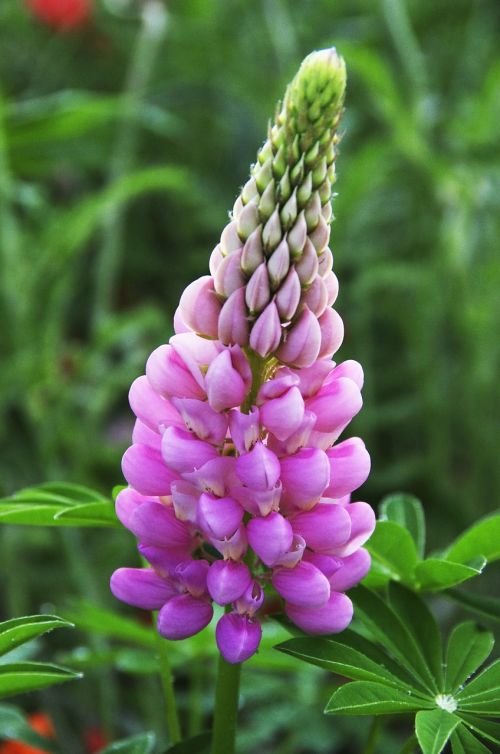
(238, 486)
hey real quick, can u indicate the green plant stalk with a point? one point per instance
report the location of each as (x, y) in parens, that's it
(167, 682)
(226, 707)
(147, 46)
(373, 736)
(409, 745)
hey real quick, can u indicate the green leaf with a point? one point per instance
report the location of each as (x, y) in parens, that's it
(89, 514)
(489, 607)
(468, 647)
(435, 574)
(486, 728)
(483, 538)
(98, 620)
(143, 743)
(394, 550)
(19, 677)
(420, 622)
(408, 512)
(433, 729)
(387, 628)
(341, 659)
(199, 744)
(464, 742)
(20, 630)
(482, 694)
(367, 698)
(15, 727)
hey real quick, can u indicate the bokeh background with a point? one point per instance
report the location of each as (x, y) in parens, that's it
(125, 134)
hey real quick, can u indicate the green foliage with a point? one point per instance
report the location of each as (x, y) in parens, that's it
(400, 670)
(397, 549)
(58, 504)
(141, 744)
(197, 745)
(18, 677)
(14, 726)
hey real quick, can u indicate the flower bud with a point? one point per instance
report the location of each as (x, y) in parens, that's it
(266, 332)
(302, 344)
(200, 308)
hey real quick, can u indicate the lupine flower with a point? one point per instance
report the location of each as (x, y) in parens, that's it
(238, 487)
(62, 15)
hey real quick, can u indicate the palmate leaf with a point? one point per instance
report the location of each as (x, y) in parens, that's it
(369, 698)
(143, 743)
(435, 574)
(482, 538)
(19, 677)
(58, 504)
(388, 629)
(468, 647)
(464, 742)
(434, 728)
(394, 549)
(486, 728)
(407, 511)
(482, 694)
(20, 630)
(420, 623)
(344, 660)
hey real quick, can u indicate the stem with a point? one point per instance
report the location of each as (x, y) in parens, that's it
(167, 682)
(226, 708)
(409, 745)
(373, 736)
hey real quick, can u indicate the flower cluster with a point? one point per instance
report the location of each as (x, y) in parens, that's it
(238, 486)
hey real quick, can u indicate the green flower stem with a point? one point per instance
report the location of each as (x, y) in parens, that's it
(144, 55)
(226, 708)
(167, 682)
(409, 746)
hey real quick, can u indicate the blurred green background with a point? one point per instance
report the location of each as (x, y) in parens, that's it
(123, 143)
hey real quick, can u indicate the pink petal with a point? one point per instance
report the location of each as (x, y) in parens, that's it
(141, 587)
(244, 428)
(182, 452)
(259, 469)
(283, 415)
(335, 404)
(303, 586)
(169, 376)
(227, 581)
(219, 517)
(199, 306)
(184, 616)
(302, 344)
(350, 466)
(144, 469)
(331, 618)
(238, 637)
(362, 525)
(270, 537)
(354, 569)
(156, 524)
(201, 419)
(150, 407)
(324, 528)
(305, 476)
(225, 385)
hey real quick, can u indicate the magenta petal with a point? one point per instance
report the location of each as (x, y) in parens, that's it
(244, 428)
(266, 331)
(270, 537)
(143, 435)
(350, 466)
(332, 333)
(303, 339)
(144, 469)
(238, 637)
(324, 528)
(201, 419)
(150, 407)
(335, 404)
(184, 616)
(141, 587)
(185, 500)
(199, 306)
(233, 547)
(192, 574)
(311, 378)
(362, 525)
(216, 476)
(233, 320)
(225, 385)
(331, 618)
(126, 502)
(350, 369)
(182, 452)
(219, 517)
(169, 375)
(304, 586)
(251, 600)
(294, 554)
(354, 569)
(327, 564)
(305, 475)
(195, 354)
(156, 524)
(278, 386)
(259, 469)
(227, 581)
(283, 415)
(164, 559)
(258, 502)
